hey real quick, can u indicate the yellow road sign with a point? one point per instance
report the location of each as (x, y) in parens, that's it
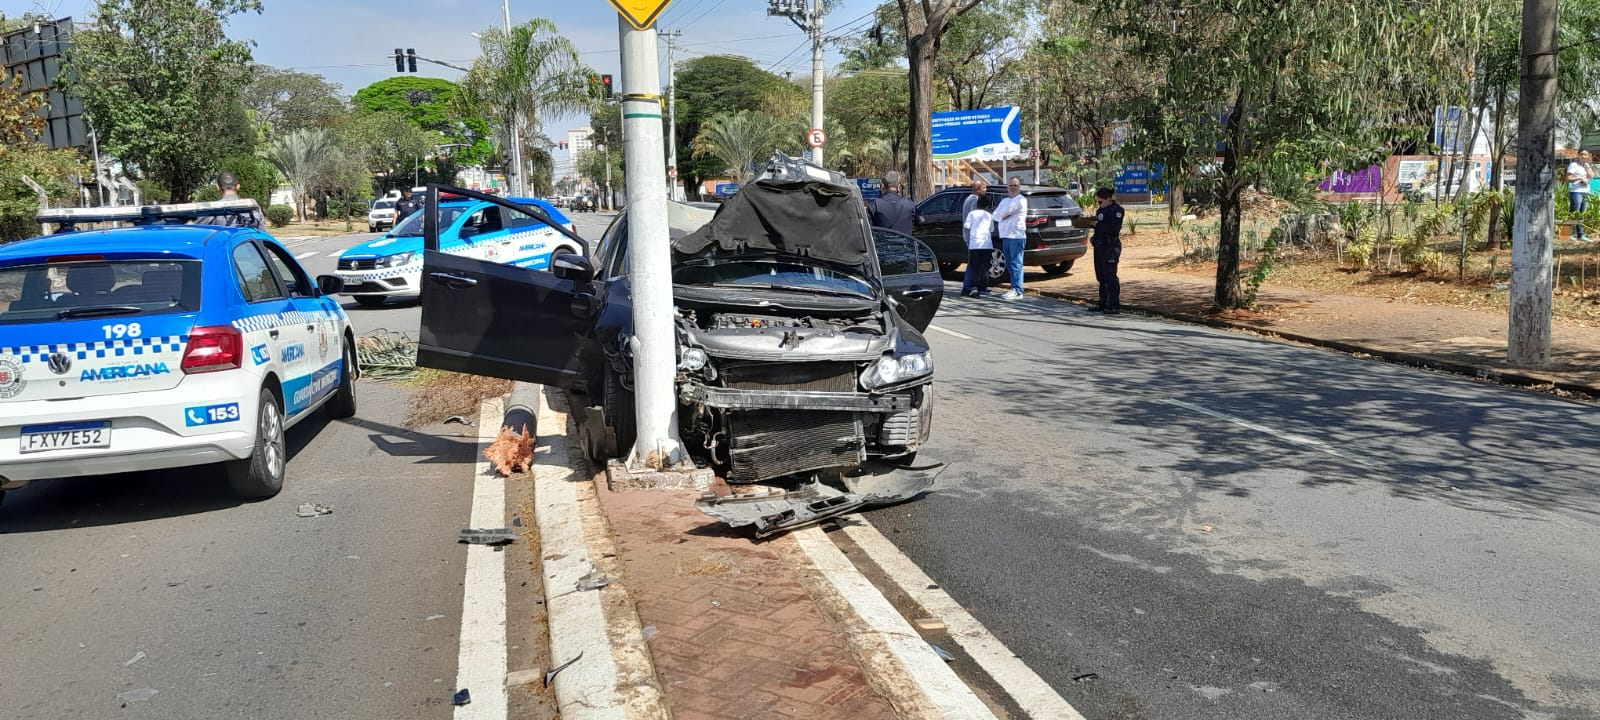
(641, 14)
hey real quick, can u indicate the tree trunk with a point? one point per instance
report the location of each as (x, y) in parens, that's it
(1528, 332)
(920, 53)
(1497, 149)
(1228, 294)
(1174, 203)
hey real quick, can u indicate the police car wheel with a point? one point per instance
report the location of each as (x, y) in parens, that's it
(261, 475)
(369, 300)
(1059, 268)
(343, 402)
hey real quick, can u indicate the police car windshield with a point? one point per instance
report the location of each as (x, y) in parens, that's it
(412, 225)
(64, 291)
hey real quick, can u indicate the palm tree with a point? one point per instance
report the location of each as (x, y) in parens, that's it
(738, 140)
(303, 157)
(521, 74)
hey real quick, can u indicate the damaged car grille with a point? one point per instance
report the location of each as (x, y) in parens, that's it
(770, 443)
(815, 376)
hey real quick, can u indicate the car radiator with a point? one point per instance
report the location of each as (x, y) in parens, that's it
(770, 443)
(813, 376)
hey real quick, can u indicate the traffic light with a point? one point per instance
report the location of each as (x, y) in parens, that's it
(411, 59)
(399, 61)
(606, 81)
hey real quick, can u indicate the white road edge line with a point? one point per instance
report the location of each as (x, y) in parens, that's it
(481, 666)
(1026, 688)
(951, 333)
(305, 255)
(1301, 440)
(939, 683)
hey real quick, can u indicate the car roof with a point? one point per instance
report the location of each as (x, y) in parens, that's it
(183, 240)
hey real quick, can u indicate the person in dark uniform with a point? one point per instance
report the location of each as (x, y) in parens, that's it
(891, 209)
(1107, 242)
(405, 206)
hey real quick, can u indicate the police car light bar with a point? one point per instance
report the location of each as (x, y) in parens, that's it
(146, 213)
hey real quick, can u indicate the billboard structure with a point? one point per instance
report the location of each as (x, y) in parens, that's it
(984, 134)
(35, 52)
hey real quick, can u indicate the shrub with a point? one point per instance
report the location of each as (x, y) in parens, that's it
(279, 215)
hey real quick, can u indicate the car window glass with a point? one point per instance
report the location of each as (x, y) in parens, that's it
(255, 278)
(897, 254)
(37, 293)
(293, 276)
(609, 258)
(938, 204)
(1050, 201)
(926, 261)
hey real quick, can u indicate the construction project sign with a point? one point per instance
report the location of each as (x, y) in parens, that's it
(986, 134)
(641, 14)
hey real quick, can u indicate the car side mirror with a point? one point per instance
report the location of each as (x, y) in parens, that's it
(570, 266)
(330, 284)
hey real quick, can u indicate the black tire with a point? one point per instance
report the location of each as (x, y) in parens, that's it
(260, 476)
(369, 300)
(343, 402)
(371, 229)
(1059, 268)
(620, 417)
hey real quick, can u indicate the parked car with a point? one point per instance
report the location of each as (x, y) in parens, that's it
(381, 216)
(1053, 243)
(163, 345)
(799, 350)
(390, 266)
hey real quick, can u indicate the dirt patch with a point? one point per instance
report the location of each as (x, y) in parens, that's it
(444, 394)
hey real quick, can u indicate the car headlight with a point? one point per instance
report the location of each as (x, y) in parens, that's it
(395, 260)
(895, 370)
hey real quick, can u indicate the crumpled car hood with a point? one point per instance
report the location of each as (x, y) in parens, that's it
(810, 219)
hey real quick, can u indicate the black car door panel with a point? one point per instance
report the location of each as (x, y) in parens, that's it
(910, 276)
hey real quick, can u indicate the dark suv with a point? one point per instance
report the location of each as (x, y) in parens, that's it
(1053, 244)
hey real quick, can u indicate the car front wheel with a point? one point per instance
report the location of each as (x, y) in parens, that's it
(1059, 268)
(343, 403)
(260, 476)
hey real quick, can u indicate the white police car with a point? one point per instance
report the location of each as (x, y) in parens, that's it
(391, 266)
(163, 345)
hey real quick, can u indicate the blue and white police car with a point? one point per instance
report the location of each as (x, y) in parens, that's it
(390, 266)
(163, 345)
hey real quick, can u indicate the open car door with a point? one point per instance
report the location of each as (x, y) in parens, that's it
(486, 317)
(910, 276)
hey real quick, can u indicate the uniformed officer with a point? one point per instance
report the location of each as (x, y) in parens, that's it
(228, 187)
(891, 209)
(1107, 242)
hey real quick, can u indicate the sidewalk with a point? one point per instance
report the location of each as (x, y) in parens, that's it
(1459, 340)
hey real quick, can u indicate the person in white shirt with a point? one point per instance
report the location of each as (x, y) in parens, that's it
(1010, 216)
(976, 228)
(1578, 189)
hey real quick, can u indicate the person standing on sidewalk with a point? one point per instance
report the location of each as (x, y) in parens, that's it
(980, 187)
(228, 188)
(978, 228)
(1578, 191)
(891, 209)
(1010, 215)
(1107, 242)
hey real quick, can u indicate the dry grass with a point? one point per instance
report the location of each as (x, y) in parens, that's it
(442, 394)
(318, 229)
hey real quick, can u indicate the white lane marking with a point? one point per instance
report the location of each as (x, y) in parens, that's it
(481, 666)
(305, 255)
(1301, 440)
(951, 333)
(1031, 692)
(938, 682)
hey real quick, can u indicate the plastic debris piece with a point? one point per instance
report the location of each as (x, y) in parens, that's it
(462, 697)
(457, 419)
(1206, 528)
(136, 658)
(1086, 677)
(649, 631)
(433, 617)
(942, 653)
(516, 521)
(930, 623)
(312, 510)
(487, 536)
(552, 674)
(136, 695)
(594, 580)
(522, 677)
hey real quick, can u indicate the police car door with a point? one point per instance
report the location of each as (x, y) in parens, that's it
(272, 342)
(315, 355)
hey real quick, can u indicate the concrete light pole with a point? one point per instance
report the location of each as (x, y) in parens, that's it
(795, 10)
(672, 111)
(515, 180)
(1528, 335)
(654, 343)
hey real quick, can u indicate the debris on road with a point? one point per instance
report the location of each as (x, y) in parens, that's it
(385, 355)
(136, 658)
(312, 510)
(456, 419)
(773, 512)
(434, 616)
(942, 653)
(522, 677)
(594, 580)
(135, 695)
(552, 674)
(930, 623)
(462, 697)
(1086, 677)
(511, 452)
(487, 536)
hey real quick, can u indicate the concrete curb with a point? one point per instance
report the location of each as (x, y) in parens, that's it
(1519, 378)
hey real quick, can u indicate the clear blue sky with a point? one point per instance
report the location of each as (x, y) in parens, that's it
(348, 41)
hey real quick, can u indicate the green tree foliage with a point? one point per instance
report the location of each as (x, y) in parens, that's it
(738, 141)
(389, 146)
(871, 110)
(430, 104)
(305, 157)
(22, 154)
(160, 81)
(606, 127)
(713, 85)
(257, 179)
(287, 100)
(924, 25)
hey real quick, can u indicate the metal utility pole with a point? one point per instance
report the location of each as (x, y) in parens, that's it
(1528, 337)
(515, 176)
(795, 10)
(1038, 178)
(654, 342)
(672, 111)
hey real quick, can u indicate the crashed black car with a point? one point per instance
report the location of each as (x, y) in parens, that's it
(799, 327)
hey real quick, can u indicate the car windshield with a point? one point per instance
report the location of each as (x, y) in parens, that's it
(412, 225)
(115, 288)
(383, 205)
(769, 273)
(1046, 201)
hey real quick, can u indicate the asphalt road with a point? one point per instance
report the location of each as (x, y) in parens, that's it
(1168, 521)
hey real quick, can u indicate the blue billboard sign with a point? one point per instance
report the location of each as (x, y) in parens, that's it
(1136, 178)
(989, 133)
(725, 189)
(871, 188)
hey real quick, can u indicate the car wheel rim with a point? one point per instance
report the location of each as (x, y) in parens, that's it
(272, 430)
(997, 267)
